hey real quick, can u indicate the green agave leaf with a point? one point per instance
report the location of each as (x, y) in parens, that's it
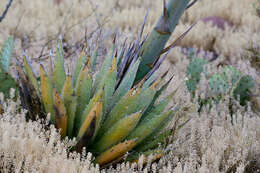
(110, 83)
(156, 136)
(149, 81)
(120, 109)
(47, 94)
(71, 110)
(93, 60)
(79, 119)
(148, 125)
(104, 70)
(157, 109)
(165, 122)
(126, 83)
(159, 135)
(70, 102)
(6, 54)
(133, 101)
(59, 75)
(30, 100)
(83, 89)
(88, 127)
(117, 132)
(31, 75)
(80, 64)
(93, 115)
(60, 114)
(157, 94)
(120, 56)
(153, 141)
(67, 91)
(111, 69)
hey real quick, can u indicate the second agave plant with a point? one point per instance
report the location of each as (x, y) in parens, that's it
(110, 115)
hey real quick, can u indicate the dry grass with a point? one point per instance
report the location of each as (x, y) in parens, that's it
(35, 23)
(210, 142)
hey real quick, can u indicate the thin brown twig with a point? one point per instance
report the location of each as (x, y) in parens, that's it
(6, 10)
(191, 4)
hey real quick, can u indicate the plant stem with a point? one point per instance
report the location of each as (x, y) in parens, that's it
(160, 34)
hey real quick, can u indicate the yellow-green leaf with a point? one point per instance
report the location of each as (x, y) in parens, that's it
(70, 102)
(148, 125)
(117, 132)
(46, 89)
(121, 109)
(115, 152)
(110, 83)
(103, 70)
(133, 101)
(95, 112)
(83, 89)
(60, 113)
(79, 119)
(59, 74)
(31, 75)
(80, 63)
(126, 83)
(71, 111)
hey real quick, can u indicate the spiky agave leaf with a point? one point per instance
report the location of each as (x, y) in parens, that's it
(70, 103)
(60, 114)
(117, 132)
(59, 75)
(115, 152)
(30, 99)
(30, 74)
(47, 93)
(89, 125)
(83, 88)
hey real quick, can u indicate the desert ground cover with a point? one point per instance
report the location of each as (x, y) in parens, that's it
(212, 140)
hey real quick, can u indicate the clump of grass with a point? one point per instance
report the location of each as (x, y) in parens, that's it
(208, 142)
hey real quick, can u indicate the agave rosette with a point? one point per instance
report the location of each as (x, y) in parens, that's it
(109, 114)
(117, 110)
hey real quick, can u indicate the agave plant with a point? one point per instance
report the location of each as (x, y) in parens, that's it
(108, 115)
(114, 111)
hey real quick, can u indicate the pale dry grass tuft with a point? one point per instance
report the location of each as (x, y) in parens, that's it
(212, 141)
(28, 146)
(34, 23)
